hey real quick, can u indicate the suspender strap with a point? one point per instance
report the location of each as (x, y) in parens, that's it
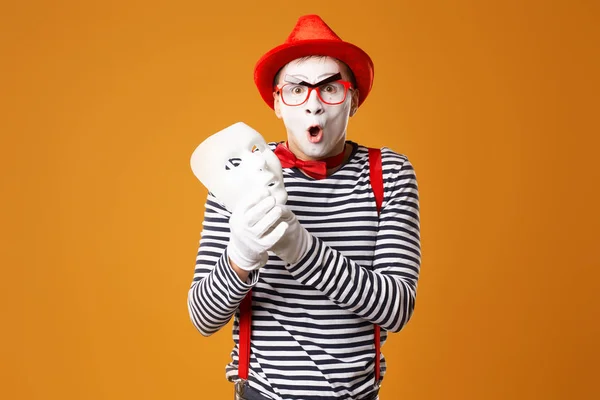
(376, 175)
(245, 319)
(244, 336)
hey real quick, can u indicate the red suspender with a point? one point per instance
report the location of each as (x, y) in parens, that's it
(376, 175)
(244, 341)
(245, 319)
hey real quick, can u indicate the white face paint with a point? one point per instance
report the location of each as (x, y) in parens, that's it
(332, 120)
(235, 161)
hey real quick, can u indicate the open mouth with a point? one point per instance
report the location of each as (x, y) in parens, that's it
(315, 134)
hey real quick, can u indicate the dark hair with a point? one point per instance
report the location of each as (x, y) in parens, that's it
(301, 59)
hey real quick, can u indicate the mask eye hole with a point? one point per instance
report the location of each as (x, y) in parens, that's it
(232, 163)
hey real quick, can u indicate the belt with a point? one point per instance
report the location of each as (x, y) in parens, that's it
(243, 391)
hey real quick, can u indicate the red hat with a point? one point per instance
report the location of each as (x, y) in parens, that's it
(312, 37)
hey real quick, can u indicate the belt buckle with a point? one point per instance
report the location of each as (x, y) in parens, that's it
(240, 389)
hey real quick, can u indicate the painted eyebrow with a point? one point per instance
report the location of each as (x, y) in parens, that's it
(328, 74)
(296, 80)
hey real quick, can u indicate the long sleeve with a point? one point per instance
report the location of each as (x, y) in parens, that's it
(386, 294)
(216, 290)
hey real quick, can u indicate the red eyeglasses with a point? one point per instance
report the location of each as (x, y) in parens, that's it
(330, 91)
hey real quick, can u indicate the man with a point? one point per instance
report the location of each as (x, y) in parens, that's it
(335, 267)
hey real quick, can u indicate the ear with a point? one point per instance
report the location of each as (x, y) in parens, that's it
(276, 105)
(354, 105)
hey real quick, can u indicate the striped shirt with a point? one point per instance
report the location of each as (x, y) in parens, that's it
(312, 322)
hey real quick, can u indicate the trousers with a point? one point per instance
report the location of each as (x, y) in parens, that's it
(243, 391)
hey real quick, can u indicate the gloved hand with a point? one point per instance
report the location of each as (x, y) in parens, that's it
(255, 227)
(294, 244)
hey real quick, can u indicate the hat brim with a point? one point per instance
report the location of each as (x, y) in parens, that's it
(357, 60)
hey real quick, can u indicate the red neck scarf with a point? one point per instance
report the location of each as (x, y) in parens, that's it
(316, 169)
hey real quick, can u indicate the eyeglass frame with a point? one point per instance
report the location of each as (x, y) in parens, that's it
(347, 85)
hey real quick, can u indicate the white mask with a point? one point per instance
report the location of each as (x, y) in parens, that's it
(332, 119)
(236, 161)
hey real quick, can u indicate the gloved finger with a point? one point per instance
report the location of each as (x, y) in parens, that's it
(267, 221)
(274, 235)
(250, 200)
(287, 214)
(258, 211)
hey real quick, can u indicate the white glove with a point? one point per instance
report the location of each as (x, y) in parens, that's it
(294, 244)
(255, 227)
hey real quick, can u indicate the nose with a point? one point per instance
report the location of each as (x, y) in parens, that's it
(313, 105)
(255, 161)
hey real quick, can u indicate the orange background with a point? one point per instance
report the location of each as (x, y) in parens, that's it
(495, 103)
